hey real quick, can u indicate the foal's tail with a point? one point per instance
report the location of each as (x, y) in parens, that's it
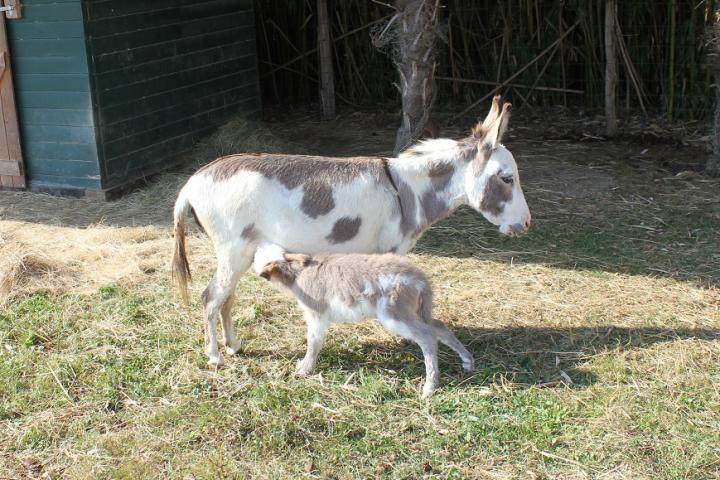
(426, 302)
(180, 266)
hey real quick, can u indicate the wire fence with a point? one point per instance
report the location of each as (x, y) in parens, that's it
(542, 52)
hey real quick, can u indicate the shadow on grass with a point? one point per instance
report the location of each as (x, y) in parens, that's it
(680, 245)
(526, 356)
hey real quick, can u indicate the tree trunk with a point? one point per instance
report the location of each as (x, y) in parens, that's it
(610, 69)
(327, 81)
(415, 57)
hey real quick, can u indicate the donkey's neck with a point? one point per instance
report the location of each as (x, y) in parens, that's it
(430, 183)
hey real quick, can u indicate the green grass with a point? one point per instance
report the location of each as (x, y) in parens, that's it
(103, 386)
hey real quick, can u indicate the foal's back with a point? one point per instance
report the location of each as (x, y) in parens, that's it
(386, 281)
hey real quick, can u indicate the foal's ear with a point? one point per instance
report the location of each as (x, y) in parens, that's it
(270, 270)
(300, 258)
(479, 130)
(496, 131)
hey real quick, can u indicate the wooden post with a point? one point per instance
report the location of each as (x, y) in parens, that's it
(611, 76)
(327, 81)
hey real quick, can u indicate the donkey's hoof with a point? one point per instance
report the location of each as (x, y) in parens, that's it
(233, 349)
(215, 361)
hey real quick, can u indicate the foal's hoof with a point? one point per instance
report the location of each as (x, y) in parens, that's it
(233, 349)
(468, 365)
(427, 393)
(301, 371)
(215, 361)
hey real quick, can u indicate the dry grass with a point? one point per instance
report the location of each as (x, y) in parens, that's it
(596, 337)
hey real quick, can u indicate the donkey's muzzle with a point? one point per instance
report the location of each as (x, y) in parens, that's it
(517, 229)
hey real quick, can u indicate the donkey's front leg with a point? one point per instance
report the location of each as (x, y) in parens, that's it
(316, 330)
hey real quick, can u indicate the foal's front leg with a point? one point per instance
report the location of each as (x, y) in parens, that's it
(316, 330)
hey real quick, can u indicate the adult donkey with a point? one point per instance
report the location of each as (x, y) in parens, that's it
(321, 204)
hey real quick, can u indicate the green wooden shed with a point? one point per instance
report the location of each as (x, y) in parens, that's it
(109, 92)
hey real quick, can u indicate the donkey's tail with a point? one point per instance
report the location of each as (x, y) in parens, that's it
(180, 266)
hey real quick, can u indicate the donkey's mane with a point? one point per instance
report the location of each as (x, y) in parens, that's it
(434, 148)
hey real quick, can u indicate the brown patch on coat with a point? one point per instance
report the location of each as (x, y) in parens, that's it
(344, 229)
(317, 198)
(481, 160)
(495, 195)
(440, 174)
(434, 207)
(404, 302)
(467, 149)
(250, 233)
(406, 197)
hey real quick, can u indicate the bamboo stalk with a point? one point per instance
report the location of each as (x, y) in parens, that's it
(610, 69)
(327, 80)
(300, 57)
(516, 74)
(272, 73)
(671, 61)
(513, 85)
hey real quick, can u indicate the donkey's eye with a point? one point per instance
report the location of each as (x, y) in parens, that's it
(508, 179)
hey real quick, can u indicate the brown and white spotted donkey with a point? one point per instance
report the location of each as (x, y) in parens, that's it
(343, 205)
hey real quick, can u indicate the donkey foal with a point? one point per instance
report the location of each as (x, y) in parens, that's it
(353, 287)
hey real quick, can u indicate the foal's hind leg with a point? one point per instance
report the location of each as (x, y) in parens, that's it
(448, 338)
(410, 326)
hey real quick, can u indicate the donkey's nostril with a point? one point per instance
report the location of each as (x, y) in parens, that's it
(528, 223)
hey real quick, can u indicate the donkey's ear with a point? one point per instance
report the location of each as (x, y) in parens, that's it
(481, 128)
(300, 258)
(496, 131)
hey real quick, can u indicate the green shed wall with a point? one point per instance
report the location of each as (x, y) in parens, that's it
(164, 73)
(52, 91)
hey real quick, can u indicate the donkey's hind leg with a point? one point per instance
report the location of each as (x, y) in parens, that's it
(218, 298)
(232, 345)
(448, 338)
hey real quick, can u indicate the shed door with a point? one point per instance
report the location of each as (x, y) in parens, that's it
(12, 172)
